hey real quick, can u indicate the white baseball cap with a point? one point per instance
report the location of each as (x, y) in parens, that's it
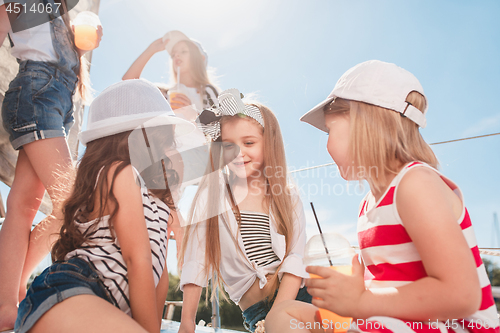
(175, 36)
(374, 82)
(127, 105)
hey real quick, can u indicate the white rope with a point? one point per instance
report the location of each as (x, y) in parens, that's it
(489, 252)
(312, 167)
(430, 144)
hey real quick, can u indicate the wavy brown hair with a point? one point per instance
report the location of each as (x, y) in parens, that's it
(281, 205)
(92, 189)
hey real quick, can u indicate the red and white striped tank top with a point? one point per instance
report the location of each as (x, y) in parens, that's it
(392, 260)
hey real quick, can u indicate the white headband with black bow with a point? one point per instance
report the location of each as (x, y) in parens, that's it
(230, 104)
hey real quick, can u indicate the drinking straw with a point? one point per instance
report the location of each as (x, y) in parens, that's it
(178, 77)
(321, 233)
(151, 155)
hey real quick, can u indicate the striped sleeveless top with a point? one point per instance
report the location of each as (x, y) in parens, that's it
(256, 235)
(105, 254)
(392, 260)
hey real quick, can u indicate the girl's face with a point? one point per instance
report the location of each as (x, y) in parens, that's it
(181, 57)
(338, 125)
(245, 135)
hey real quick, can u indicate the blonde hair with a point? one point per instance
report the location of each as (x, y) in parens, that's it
(280, 204)
(198, 68)
(83, 86)
(382, 139)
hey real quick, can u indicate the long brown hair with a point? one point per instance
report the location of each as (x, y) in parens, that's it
(279, 201)
(382, 139)
(92, 186)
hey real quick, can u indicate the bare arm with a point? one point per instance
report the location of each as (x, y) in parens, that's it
(135, 70)
(451, 290)
(162, 287)
(161, 292)
(190, 300)
(178, 231)
(131, 232)
(289, 287)
(4, 24)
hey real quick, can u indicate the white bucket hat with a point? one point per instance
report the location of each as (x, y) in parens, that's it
(127, 105)
(374, 82)
(175, 36)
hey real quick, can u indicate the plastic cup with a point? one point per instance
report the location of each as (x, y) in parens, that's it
(86, 24)
(339, 258)
(172, 93)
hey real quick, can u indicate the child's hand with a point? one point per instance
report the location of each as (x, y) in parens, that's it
(158, 45)
(181, 105)
(179, 101)
(337, 292)
(99, 36)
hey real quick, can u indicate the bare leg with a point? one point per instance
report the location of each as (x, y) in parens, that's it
(293, 316)
(51, 160)
(38, 166)
(85, 313)
(22, 204)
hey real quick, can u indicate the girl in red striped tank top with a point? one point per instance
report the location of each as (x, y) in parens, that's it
(421, 270)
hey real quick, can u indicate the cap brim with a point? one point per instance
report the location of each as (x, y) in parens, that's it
(316, 116)
(174, 37)
(111, 127)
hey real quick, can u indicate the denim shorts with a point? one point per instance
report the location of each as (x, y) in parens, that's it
(38, 104)
(61, 280)
(259, 310)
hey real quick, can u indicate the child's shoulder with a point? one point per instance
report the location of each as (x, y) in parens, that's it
(426, 185)
(126, 175)
(419, 170)
(417, 176)
(119, 164)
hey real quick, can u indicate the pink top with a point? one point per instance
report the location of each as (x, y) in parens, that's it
(392, 260)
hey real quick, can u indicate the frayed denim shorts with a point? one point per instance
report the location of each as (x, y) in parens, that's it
(38, 104)
(259, 311)
(58, 282)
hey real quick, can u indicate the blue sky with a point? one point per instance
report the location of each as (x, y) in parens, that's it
(290, 53)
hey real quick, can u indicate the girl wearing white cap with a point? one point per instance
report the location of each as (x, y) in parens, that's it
(189, 62)
(111, 254)
(37, 114)
(247, 225)
(421, 270)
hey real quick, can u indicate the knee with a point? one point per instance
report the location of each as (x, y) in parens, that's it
(286, 313)
(279, 314)
(282, 307)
